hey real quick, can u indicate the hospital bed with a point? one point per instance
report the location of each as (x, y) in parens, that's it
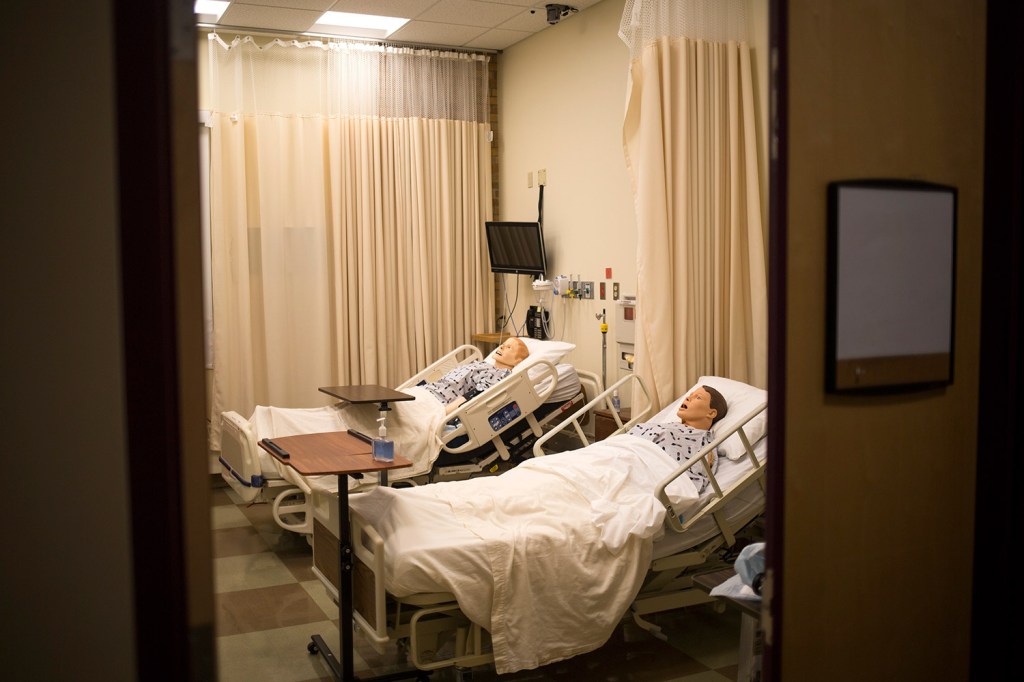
(492, 431)
(542, 562)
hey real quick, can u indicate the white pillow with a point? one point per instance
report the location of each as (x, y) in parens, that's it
(741, 399)
(552, 351)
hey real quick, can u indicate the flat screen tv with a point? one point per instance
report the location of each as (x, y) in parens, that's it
(516, 247)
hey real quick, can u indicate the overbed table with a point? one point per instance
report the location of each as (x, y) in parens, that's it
(342, 454)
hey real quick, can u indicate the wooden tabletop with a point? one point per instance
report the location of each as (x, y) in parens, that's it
(333, 452)
(368, 393)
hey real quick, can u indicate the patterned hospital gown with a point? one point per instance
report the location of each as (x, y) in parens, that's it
(682, 442)
(474, 376)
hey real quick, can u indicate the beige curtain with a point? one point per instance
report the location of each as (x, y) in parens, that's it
(690, 145)
(349, 188)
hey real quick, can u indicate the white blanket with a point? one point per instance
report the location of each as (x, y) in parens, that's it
(410, 423)
(547, 556)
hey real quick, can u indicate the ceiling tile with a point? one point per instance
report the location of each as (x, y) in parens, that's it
(479, 24)
(470, 13)
(497, 39)
(320, 6)
(429, 33)
(407, 9)
(276, 18)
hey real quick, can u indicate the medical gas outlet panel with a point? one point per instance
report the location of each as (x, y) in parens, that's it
(575, 287)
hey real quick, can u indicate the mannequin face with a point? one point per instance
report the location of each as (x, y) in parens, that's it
(696, 410)
(510, 353)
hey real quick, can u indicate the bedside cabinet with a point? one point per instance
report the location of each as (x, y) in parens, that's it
(604, 422)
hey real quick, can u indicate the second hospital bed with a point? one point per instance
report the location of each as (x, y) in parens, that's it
(539, 392)
(540, 563)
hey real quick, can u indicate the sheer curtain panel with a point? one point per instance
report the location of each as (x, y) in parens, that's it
(689, 137)
(349, 185)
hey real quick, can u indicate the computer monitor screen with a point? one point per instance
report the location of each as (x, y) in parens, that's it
(516, 247)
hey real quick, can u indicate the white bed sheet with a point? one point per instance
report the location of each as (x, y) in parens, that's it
(547, 557)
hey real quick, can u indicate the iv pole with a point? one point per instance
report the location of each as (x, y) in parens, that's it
(604, 348)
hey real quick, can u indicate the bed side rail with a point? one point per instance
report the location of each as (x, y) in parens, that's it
(459, 356)
(602, 400)
(717, 499)
(494, 411)
(239, 458)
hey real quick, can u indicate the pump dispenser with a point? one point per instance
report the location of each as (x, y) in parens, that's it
(383, 449)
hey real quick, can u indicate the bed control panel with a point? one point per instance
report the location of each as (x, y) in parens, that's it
(505, 416)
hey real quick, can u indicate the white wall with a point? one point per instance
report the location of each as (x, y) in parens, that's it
(561, 97)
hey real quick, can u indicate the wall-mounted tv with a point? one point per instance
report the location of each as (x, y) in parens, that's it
(516, 247)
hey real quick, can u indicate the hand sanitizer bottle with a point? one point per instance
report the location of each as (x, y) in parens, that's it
(615, 401)
(382, 448)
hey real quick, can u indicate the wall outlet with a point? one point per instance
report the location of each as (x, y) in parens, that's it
(615, 291)
(529, 180)
(542, 176)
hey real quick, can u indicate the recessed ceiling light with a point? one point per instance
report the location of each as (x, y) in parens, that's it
(361, 25)
(210, 10)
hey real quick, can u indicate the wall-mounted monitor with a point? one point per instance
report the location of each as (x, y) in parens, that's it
(891, 285)
(516, 247)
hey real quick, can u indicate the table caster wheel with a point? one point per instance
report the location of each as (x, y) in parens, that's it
(312, 648)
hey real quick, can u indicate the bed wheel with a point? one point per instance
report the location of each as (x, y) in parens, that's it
(312, 648)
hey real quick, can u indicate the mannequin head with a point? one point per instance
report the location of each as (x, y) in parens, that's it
(702, 408)
(510, 353)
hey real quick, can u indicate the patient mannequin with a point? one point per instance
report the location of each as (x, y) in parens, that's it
(465, 381)
(698, 412)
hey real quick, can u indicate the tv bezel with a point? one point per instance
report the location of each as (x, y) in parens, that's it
(517, 269)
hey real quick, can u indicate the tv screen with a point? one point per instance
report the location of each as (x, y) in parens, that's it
(516, 247)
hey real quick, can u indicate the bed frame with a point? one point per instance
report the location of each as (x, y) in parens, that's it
(500, 423)
(421, 622)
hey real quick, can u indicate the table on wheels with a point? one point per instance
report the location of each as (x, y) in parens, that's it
(341, 454)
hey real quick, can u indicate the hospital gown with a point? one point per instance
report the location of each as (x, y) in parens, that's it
(681, 442)
(473, 377)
